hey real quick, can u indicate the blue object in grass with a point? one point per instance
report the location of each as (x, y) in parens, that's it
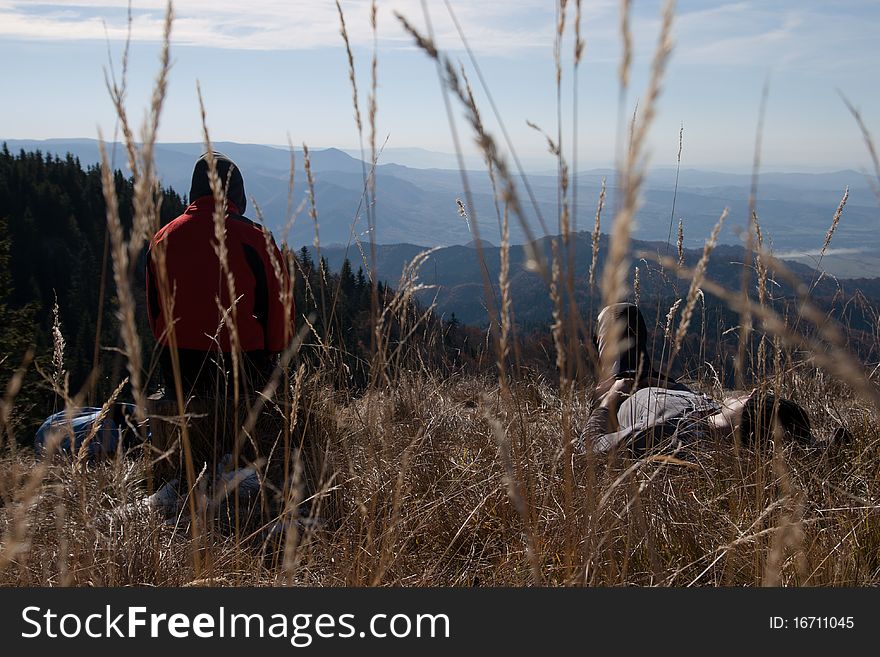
(54, 435)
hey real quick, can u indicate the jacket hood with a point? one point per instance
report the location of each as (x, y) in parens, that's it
(230, 178)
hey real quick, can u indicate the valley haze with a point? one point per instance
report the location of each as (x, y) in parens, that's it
(416, 201)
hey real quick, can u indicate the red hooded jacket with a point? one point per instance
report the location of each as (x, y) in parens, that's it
(196, 281)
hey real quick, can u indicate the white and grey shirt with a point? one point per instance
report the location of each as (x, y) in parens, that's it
(651, 417)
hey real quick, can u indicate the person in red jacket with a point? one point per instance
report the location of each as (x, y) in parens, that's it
(196, 287)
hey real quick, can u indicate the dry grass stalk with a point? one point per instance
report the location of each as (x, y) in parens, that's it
(166, 297)
(562, 167)
(670, 316)
(745, 320)
(556, 299)
(594, 237)
(313, 207)
(351, 76)
(763, 273)
(452, 81)
(125, 254)
(869, 144)
(313, 214)
(290, 517)
(490, 166)
(504, 318)
(290, 216)
(658, 70)
(374, 158)
(835, 359)
(828, 236)
(14, 544)
(472, 103)
(626, 40)
(696, 282)
(13, 387)
(228, 314)
(369, 180)
(221, 207)
(117, 91)
(514, 492)
(285, 293)
(675, 191)
(760, 262)
(146, 205)
(679, 243)
(59, 374)
(83, 452)
(374, 85)
(616, 264)
(396, 307)
(390, 536)
(496, 196)
(787, 537)
(523, 178)
(637, 287)
(506, 302)
(463, 213)
(562, 200)
(485, 141)
(833, 227)
(146, 186)
(124, 294)
(570, 280)
(829, 330)
(632, 128)
(557, 44)
(563, 367)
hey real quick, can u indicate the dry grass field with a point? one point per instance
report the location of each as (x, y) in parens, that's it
(449, 482)
(454, 479)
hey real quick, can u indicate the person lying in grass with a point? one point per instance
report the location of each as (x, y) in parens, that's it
(641, 409)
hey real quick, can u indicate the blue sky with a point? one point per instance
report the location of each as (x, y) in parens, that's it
(273, 68)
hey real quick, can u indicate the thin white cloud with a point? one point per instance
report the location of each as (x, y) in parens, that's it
(742, 32)
(777, 35)
(497, 26)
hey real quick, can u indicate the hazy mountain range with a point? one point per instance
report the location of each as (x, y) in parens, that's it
(417, 206)
(455, 276)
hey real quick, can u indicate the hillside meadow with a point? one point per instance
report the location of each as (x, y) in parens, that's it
(397, 448)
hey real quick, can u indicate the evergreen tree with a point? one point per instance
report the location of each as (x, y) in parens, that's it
(347, 281)
(16, 329)
(305, 260)
(53, 240)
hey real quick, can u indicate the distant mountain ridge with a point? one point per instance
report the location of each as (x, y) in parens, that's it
(418, 206)
(455, 275)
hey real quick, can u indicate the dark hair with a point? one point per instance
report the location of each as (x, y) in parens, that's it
(633, 358)
(230, 178)
(763, 410)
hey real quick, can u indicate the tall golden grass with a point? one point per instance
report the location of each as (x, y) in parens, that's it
(426, 479)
